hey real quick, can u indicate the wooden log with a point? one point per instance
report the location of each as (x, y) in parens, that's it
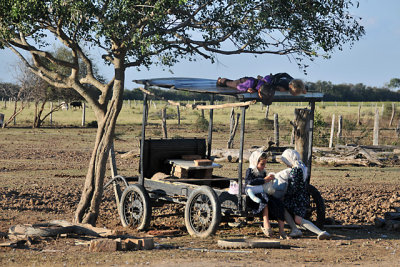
(392, 225)
(392, 215)
(379, 222)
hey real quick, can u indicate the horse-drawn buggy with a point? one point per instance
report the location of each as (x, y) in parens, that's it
(187, 165)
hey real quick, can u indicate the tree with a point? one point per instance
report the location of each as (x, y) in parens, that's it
(394, 83)
(139, 34)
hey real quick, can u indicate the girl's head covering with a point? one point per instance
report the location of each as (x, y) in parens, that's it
(292, 158)
(253, 161)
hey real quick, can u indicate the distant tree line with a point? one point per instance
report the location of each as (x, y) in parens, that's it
(332, 92)
(354, 92)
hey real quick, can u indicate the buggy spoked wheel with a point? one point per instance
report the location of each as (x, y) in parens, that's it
(316, 211)
(202, 212)
(135, 208)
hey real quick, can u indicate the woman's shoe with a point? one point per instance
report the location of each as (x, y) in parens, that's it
(267, 231)
(296, 233)
(324, 235)
(283, 236)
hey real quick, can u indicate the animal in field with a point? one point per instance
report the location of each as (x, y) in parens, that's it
(76, 104)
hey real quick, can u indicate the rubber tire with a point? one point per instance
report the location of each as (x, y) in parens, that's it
(215, 208)
(317, 207)
(143, 207)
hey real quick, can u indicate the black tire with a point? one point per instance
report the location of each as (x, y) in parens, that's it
(135, 208)
(202, 212)
(316, 212)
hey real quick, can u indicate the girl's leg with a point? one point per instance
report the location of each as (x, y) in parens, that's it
(254, 189)
(313, 228)
(289, 219)
(267, 226)
(282, 233)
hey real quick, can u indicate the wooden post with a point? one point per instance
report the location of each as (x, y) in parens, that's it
(276, 130)
(179, 115)
(51, 114)
(5, 104)
(1, 119)
(332, 131)
(83, 113)
(302, 125)
(129, 103)
(393, 112)
(339, 132)
(202, 113)
(232, 128)
(359, 115)
(164, 122)
(398, 129)
(266, 112)
(376, 128)
(292, 136)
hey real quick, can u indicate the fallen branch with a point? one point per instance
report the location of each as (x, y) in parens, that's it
(56, 228)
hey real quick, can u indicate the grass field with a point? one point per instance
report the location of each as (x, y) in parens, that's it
(131, 115)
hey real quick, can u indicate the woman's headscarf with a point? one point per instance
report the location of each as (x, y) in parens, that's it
(253, 161)
(292, 158)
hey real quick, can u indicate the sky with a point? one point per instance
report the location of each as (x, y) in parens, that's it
(373, 60)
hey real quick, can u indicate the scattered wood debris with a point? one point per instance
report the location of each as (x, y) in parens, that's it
(97, 239)
(391, 220)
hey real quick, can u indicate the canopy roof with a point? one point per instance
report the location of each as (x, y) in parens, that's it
(209, 86)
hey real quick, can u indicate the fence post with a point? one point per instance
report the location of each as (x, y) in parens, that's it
(359, 115)
(276, 130)
(178, 111)
(302, 129)
(164, 122)
(51, 113)
(83, 113)
(267, 112)
(393, 112)
(339, 132)
(376, 128)
(1, 119)
(332, 131)
(398, 129)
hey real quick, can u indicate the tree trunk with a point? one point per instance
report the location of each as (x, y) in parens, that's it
(89, 205)
(38, 113)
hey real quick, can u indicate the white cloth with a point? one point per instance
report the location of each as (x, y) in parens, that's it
(253, 161)
(280, 183)
(292, 159)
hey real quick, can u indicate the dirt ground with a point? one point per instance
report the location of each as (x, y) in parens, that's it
(42, 173)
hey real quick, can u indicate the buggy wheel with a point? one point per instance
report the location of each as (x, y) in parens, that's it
(316, 211)
(135, 208)
(202, 212)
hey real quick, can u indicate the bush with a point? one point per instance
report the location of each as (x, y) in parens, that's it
(201, 124)
(92, 124)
